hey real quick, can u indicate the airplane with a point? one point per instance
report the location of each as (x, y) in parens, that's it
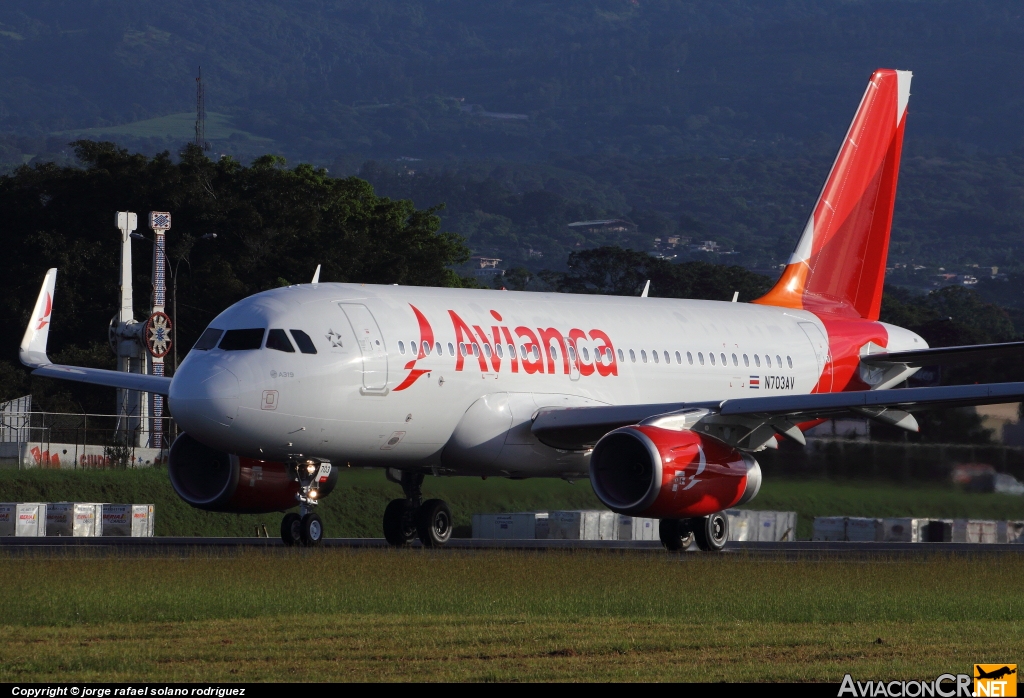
(662, 403)
(994, 674)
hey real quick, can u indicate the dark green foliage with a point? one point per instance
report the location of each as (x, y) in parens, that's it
(273, 226)
(615, 271)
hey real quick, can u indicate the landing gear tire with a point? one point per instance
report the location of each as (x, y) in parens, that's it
(675, 534)
(711, 532)
(312, 530)
(291, 529)
(434, 523)
(399, 523)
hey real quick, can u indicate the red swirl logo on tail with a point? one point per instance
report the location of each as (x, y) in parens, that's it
(44, 319)
(426, 340)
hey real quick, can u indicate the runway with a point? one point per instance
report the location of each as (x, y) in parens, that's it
(179, 545)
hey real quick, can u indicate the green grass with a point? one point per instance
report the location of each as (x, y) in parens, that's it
(218, 127)
(356, 507)
(412, 614)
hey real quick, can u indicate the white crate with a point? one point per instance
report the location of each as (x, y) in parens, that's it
(575, 525)
(636, 528)
(73, 519)
(863, 529)
(30, 519)
(902, 530)
(829, 528)
(517, 526)
(606, 525)
(1010, 532)
(739, 524)
(8, 515)
(134, 520)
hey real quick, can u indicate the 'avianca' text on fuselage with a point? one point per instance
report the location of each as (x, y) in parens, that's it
(533, 350)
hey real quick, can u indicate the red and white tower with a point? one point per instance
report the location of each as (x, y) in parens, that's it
(157, 332)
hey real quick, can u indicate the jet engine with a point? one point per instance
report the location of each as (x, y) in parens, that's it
(665, 473)
(217, 481)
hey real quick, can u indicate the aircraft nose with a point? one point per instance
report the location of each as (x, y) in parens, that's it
(204, 397)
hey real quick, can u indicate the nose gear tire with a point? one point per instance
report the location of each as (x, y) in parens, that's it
(434, 523)
(711, 532)
(399, 523)
(291, 533)
(312, 529)
(675, 534)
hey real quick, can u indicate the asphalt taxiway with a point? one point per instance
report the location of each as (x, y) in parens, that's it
(167, 544)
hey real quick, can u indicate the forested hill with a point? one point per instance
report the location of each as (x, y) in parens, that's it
(505, 78)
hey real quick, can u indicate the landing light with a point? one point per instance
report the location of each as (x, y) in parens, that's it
(313, 494)
(310, 467)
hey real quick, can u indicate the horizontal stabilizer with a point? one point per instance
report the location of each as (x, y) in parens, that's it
(945, 355)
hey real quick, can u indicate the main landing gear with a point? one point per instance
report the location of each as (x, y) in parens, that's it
(411, 518)
(709, 532)
(306, 527)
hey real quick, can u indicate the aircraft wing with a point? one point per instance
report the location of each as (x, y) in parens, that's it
(752, 423)
(944, 355)
(33, 352)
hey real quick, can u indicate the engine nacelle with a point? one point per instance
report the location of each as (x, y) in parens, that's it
(217, 481)
(664, 473)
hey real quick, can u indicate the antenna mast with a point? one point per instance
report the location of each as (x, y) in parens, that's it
(200, 140)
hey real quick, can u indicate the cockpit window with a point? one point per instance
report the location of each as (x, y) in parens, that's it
(304, 342)
(239, 340)
(277, 339)
(209, 339)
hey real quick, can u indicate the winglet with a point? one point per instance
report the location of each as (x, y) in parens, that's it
(33, 344)
(647, 287)
(316, 275)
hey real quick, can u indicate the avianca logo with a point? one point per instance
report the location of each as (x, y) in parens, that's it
(44, 319)
(541, 350)
(681, 481)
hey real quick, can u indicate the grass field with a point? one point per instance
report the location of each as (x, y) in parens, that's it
(356, 507)
(495, 615)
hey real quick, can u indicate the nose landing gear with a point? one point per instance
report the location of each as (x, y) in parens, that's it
(306, 528)
(411, 518)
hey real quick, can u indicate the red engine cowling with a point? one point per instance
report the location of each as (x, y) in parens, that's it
(663, 473)
(217, 481)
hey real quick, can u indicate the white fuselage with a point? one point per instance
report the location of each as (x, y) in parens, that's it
(365, 397)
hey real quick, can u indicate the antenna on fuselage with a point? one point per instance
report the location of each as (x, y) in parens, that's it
(647, 287)
(316, 275)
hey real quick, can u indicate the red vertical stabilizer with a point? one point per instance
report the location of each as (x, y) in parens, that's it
(839, 264)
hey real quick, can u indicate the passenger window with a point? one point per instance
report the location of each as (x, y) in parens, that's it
(711, 355)
(209, 339)
(476, 349)
(778, 361)
(277, 339)
(241, 340)
(553, 352)
(305, 343)
(724, 362)
(451, 349)
(487, 350)
(608, 355)
(621, 357)
(679, 359)
(437, 349)
(643, 355)
(735, 362)
(498, 350)
(789, 360)
(536, 352)
(511, 351)
(667, 359)
(522, 350)
(462, 348)
(757, 360)
(426, 348)
(632, 356)
(768, 360)
(401, 346)
(700, 357)
(654, 355)
(746, 361)
(586, 354)
(572, 352)
(689, 358)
